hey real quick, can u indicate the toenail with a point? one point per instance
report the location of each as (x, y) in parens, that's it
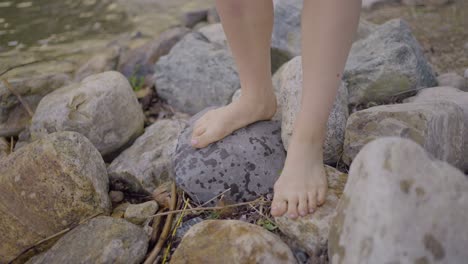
(303, 213)
(292, 215)
(311, 210)
(194, 141)
(274, 208)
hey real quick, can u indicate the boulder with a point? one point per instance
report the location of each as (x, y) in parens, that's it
(437, 126)
(13, 115)
(231, 241)
(400, 206)
(387, 65)
(139, 213)
(311, 232)
(100, 240)
(452, 79)
(105, 60)
(147, 163)
(47, 186)
(103, 107)
(215, 34)
(196, 74)
(290, 87)
(247, 162)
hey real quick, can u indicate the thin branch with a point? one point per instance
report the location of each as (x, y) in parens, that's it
(207, 202)
(24, 103)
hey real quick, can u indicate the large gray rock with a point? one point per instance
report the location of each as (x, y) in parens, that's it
(400, 206)
(196, 74)
(147, 163)
(437, 126)
(13, 115)
(231, 241)
(100, 240)
(102, 107)
(311, 232)
(290, 87)
(387, 65)
(48, 186)
(452, 79)
(248, 162)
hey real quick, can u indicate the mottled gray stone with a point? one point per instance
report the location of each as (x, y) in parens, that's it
(147, 163)
(13, 115)
(387, 65)
(196, 74)
(47, 186)
(290, 87)
(452, 79)
(139, 213)
(215, 34)
(248, 162)
(438, 126)
(400, 206)
(103, 107)
(100, 240)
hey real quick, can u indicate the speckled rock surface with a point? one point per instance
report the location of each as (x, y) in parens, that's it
(290, 93)
(248, 162)
(48, 186)
(139, 213)
(311, 232)
(103, 107)
(437, 126)
(400, 206)
(386, 64)
(196, 74)
(147, 163)
(100, 240)
(231, 241)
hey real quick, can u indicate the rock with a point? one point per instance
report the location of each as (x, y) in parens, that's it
(102, 107)
(437, 126)
(247, 162)
(13, 115)
(119, 210)
(453, 80)
(147, 163)
(426, 2)
(116, 196)
(101, 240)
(400, 206)
(4, 147)
(138, 64)
(139, 213)
(369, 4)
(311, 232)
(386, 65)
(213, 16)
(466, 74)
(105, 60)
(196, 74)
(218, 241)
(190, 19)
(215, 34)
(290, 86)
(186, 225)
(47, 186)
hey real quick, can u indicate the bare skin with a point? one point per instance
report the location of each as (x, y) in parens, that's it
(328, 28)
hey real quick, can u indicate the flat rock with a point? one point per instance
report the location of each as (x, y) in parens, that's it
(48, 186)
(196, 74)
(100, 240)
(387, 65)
(400, 206)
(452, 79)
(247, 162)
(231, 241)
(290, 87)
(103, 107)
(147, 163)
(437, 126)
(311, 232)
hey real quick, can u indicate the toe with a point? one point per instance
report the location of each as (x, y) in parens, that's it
(303, 207)
(198, 131)
(292, 207)
(278, 206)
(321, 196)
(312, 197)
(203, 140)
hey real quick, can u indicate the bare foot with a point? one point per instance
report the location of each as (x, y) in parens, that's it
(302, 185)
(216, 124)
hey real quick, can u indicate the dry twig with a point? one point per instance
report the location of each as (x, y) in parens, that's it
(24, 103)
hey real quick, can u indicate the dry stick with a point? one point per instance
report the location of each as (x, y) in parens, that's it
(167, 227)
(215, 197)
(24, 103)
(11, 144)
(156, 226)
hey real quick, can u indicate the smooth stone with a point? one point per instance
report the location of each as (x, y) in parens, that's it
(100, 240)
(452, 79)
(437, 126)
(310, 232)
(47, 186)
(247, 162)
(400, 205)
(190, 19)
(387, 65)
(103, 107)
(196, 74)
(139, 213)
(116, 196)
(290, 93)
(215, 34)
(106, 60)
(147, 163)
(231, 241)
